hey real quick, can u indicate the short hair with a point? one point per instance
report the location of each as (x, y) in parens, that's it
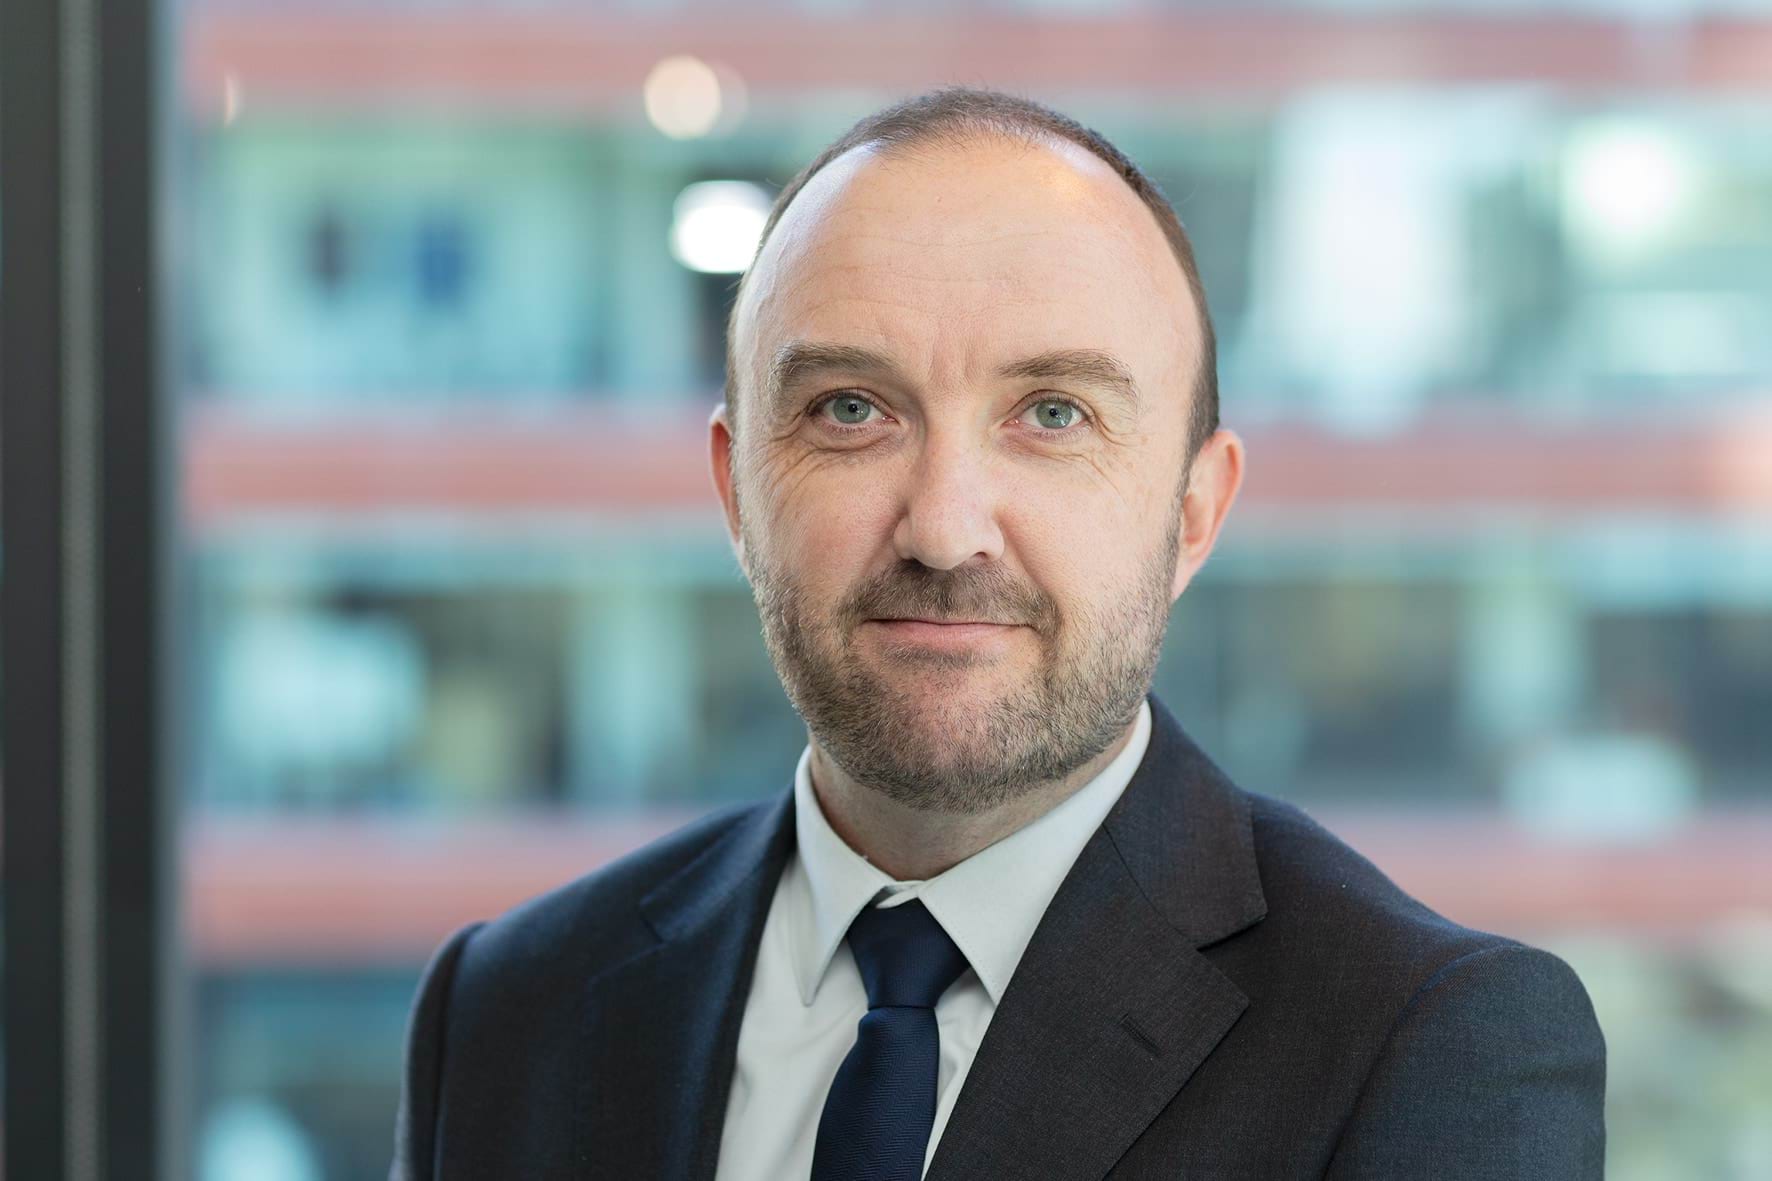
(956, 115)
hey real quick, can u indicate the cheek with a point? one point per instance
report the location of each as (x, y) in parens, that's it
(831, 534)
(1076, 539)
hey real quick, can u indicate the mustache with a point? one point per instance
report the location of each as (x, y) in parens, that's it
(914, 591)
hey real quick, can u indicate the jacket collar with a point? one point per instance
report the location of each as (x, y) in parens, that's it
(660, 1031)
(989, 904)
(1182, 827)
(1183, 830)
(1113, 1007)
(1110, 1011)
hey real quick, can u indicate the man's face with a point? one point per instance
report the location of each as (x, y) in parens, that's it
(963, 534)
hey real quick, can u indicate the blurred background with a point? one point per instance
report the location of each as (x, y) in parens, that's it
(457, 620)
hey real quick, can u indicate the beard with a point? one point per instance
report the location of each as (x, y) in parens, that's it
(919, 737)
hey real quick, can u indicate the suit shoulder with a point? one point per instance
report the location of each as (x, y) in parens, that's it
(1323, 893)
(1347, 951)
(594, 920)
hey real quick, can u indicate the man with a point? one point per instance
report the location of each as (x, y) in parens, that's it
(1008, 921)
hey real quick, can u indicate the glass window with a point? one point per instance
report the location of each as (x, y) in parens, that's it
(464, 620)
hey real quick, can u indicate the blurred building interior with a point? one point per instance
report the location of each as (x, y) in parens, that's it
(459, 620)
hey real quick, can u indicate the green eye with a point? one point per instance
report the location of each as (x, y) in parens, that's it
(850, 409)
(1054, 413)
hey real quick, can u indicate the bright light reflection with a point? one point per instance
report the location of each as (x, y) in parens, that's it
(682, 96)
(230, 98)
(1627, 187)
(717, 224)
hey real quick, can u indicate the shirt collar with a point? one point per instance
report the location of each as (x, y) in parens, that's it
(989, 904)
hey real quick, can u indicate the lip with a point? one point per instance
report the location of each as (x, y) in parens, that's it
(944, 634)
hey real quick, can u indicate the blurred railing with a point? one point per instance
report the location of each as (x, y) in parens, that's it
(1450, 463)
(277, 890)
(569, 58)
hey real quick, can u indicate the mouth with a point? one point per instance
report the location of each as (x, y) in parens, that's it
(945, 633)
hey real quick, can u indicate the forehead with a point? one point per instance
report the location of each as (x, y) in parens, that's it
(963, 256)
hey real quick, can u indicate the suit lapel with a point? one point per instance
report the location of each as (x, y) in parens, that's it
(663, 1026)
(1110, 1011)
(1113, 1007)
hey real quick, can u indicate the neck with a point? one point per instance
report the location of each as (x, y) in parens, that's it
(912, 845)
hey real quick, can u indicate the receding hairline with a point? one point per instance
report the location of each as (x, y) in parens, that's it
(961, 117)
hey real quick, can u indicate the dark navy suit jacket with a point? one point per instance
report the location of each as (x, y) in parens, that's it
(1219, 989)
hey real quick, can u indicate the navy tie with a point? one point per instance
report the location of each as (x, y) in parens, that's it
(881, 1107)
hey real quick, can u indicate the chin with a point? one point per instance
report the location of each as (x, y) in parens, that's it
(951, 697)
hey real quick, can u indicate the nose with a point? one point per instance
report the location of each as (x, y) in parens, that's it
(950, 506)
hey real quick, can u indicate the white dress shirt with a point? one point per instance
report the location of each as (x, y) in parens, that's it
(807, 998)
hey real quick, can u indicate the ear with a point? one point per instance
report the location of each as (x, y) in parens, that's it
(1212, 486)
(720, 461)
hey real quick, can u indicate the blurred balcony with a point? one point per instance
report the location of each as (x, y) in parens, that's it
(287, 891)
(345, 472)
(567, 58)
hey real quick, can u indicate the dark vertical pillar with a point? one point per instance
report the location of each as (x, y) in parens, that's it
(34, 957)
(84, 815)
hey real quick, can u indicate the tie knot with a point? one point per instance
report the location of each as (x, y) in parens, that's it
(904, 956)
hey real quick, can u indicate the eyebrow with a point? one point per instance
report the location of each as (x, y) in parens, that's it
(797, 361)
